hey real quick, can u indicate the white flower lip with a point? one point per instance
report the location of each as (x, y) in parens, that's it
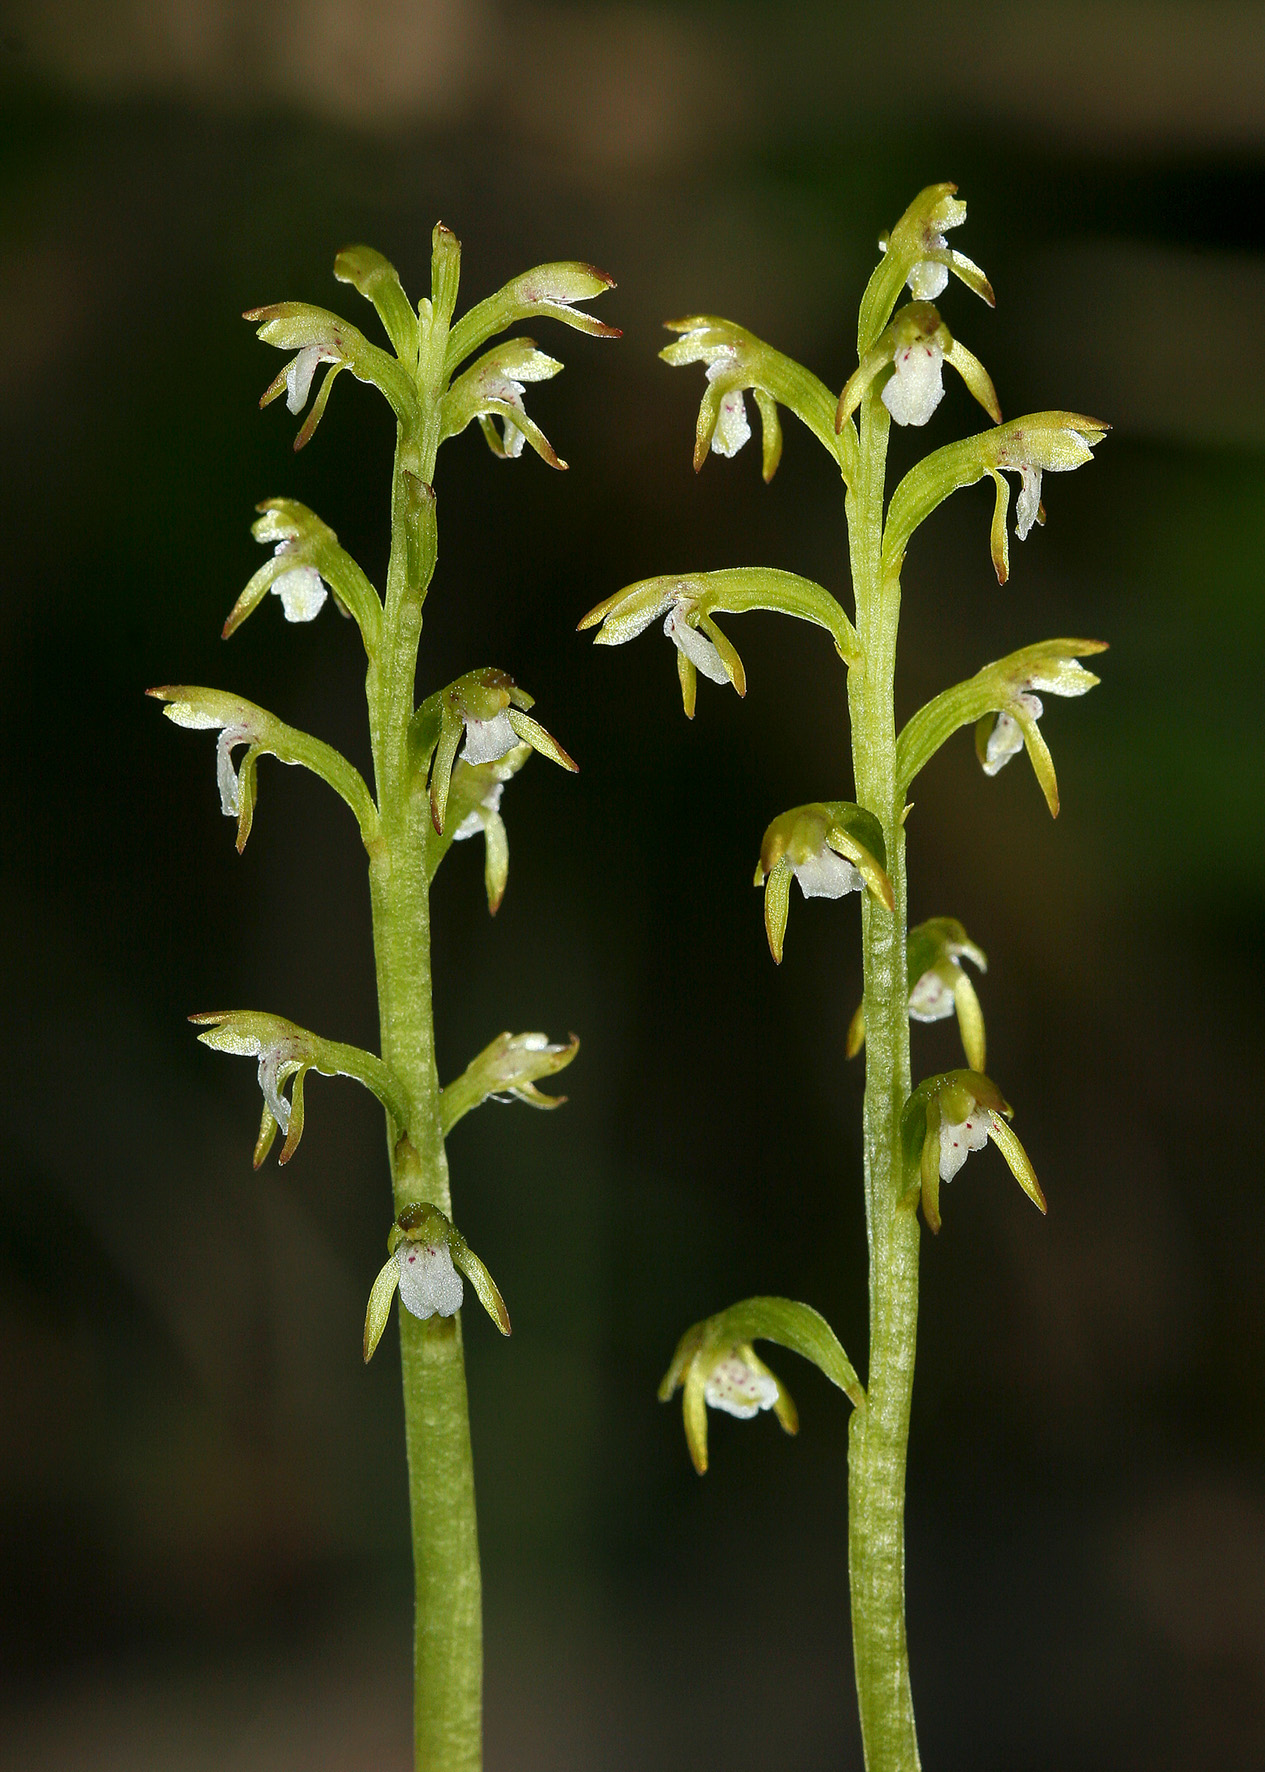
(472, 824)
(696, 647)
(735, 1388)
(299, 375)
(826, 875)
(225, 773)
(733, 428)
(917, 386)
(1006, 739)
(929, 278)
(1029, 501)
(931, 998)
(429, 1284)
(958, 1140)
(301, 590)
(488, 740)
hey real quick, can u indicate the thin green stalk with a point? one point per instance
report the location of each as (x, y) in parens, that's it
(879, 1433)
(448, 1626)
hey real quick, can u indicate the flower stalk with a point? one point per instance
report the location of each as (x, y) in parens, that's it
(914, 1139)
(427, 791)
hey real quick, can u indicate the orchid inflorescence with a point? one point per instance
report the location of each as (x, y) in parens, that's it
(916, 1138)
(440, 770)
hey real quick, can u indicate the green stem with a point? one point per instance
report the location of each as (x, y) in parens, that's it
(448, 1631)
(879, 1434)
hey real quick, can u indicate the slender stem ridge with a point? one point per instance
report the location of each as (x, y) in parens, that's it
(879, 1433)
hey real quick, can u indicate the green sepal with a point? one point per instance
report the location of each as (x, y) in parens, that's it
(379, 1311)
(310, 543)
(917, 323)
(1052, 441)
(737, 360)
(214, 709)
(549, 291)
(781, 1320)
(509, 1067)
(916, 240)
(1050, 667)
(378, 281)
(296, 325)
(285, 1050)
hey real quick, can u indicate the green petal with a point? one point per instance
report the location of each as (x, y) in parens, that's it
(380, 1305)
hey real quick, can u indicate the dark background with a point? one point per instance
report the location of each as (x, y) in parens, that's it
(202, 1500)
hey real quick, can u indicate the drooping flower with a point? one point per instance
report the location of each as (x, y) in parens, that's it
(939, 985)
(916, 252)
(945, 1119)
(425, 1252)
(832, 848)
(493, 388)
(717, 1367)
(689, 602)
(1030, 448)
(507, 1070)
(1053, 669)
(236, 723)
(285, 1050)
(485, 713)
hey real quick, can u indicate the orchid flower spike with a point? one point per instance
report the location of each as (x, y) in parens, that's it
(1054, 669)
(484, 712)
(427, 1256)
(832, 848)
(945, 1119)
(939, 985)
(285, 1050)
(718, 1368)
(689, 601)
(916, 345)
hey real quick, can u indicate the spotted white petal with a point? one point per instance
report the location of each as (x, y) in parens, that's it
(931, 998)
(696, 647)
(299, 375)
(1029, 501)
(302, 593)
(826, 875)
(429, 1284)
(489, 740)
(917, 387)
(957, 1140)
(735, 1388)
